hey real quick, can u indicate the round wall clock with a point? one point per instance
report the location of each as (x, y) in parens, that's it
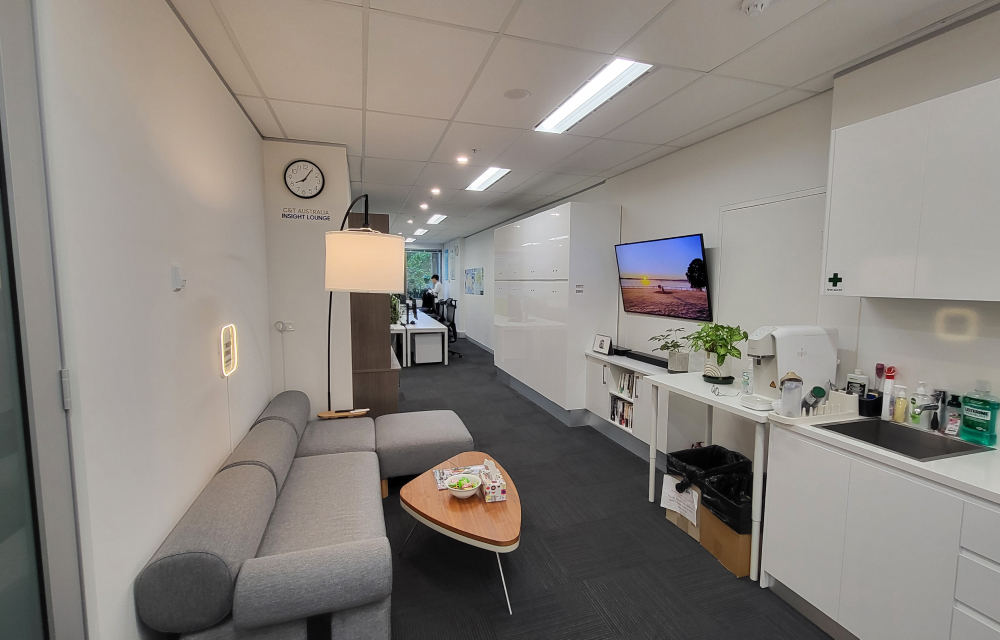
(304, 179)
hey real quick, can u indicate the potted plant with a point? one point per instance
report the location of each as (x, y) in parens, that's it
(719, 343)
(670, 341)
(395, 312)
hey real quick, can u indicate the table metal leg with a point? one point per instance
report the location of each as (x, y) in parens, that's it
(444, 345)
(756, 499)
(654, 399)
(709, 423)
(405, 540)
(505, 595)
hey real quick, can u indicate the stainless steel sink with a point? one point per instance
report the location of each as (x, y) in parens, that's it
(908, 441)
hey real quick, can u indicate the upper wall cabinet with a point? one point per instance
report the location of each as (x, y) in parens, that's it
(915, 201)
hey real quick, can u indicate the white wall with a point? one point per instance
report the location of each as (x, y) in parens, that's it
(478, 252)
(150, 163)
(296, 259)
(455, 288)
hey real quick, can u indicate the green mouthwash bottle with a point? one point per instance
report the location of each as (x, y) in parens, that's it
(979, 415)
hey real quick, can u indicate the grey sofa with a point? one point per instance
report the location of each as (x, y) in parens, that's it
(291, 527)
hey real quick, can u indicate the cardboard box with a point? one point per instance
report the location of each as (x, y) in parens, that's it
(494, 486)
(683, 523)
(728, 547)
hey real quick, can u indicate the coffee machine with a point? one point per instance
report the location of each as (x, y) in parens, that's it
(811, 352)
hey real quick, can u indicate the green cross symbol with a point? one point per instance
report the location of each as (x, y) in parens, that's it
(836, 279)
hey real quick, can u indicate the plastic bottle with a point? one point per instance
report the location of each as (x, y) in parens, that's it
(919, 399)
(979, 415)
(887, 404)
(857, 383)
(952, 422)
(900, 407)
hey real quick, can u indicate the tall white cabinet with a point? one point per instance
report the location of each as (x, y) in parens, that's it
(555, 288)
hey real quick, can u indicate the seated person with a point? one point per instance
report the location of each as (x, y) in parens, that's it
(432, 294)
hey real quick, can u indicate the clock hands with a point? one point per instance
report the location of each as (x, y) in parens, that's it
(304, 179)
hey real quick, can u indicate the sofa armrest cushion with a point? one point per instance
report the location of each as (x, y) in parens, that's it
(289, 586)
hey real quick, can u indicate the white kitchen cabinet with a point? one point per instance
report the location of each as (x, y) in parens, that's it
(807, 493)
(598, 376)
(900, 557)
(914, 201)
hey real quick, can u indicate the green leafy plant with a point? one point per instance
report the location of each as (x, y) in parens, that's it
(395, 312)
(670, 339)
(719, 339)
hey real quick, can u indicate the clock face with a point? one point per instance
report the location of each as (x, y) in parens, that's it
(304, 179)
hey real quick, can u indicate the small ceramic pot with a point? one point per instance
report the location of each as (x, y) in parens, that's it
(714, 369)
(677, 361)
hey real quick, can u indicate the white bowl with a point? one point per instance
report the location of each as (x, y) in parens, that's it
(464, 493)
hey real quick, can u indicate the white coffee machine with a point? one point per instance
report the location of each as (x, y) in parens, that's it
(811, 352)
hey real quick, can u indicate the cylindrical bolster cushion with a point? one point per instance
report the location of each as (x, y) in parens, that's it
(295, 585)
(291, 406)
(188, 584)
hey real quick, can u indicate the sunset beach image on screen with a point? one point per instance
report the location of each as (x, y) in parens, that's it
(665, 277)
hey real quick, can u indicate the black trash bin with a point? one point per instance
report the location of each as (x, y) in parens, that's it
(725, 478)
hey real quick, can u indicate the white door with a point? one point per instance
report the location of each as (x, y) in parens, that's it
(804, 521)
(874, 219)
(900, 557)
(598, 375)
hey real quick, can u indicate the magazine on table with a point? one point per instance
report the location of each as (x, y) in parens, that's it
(441, 475)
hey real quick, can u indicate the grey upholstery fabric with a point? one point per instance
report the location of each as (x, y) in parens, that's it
(188, 584)
(289, 406)
(294, 630)
(289, 586)
(271, 445)
(411, 443)
(326, 500)
(367, 622)
(337, 436)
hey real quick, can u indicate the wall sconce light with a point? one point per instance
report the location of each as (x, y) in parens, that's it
(230, 350)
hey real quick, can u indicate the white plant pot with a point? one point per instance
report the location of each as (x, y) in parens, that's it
(678, 361)
(714, 369)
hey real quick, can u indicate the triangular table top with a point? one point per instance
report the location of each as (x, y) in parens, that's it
(495, 525)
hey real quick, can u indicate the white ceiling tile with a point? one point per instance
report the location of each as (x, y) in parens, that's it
(546, 184)
(702, 102)
(303, 50)
(523, 201)
(600, 155)
(536, 150)
(580, 186)
(596, 25)
(257, 109)
(448, 176)
(514, 179)
(354, 168)
(645, 158)
(478, 14)
(775, 103)
(401, 137)
(550, 73)
(488, 142)
(317, 123)
(818, 84)
(382, 198)
(838, 32)
(473, 200)
(399, 172)
(702, 34)
(649, 90)
(419, 68)
(204, 22)
(418, 196)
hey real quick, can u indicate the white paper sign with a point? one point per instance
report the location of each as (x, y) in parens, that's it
(685, 503)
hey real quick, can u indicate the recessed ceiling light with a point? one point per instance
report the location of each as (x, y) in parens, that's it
(411, 239)
(516, 94)
(461, 159)
(420, 232)
(409, 222)
(436, 218)
(487, 179)
(612, 79)
(423, 205)
(435, 191)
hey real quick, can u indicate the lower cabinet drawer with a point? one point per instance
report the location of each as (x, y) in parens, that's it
(978, 585)
(966, 627)
(981, 531)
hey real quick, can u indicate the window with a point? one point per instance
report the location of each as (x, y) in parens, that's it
(420, 266)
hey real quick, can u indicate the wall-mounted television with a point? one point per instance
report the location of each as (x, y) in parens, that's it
(666, 277)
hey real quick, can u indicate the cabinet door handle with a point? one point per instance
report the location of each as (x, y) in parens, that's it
(603, 370)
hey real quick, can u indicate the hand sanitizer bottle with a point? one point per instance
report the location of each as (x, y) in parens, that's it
(979, 415)
(919, 399)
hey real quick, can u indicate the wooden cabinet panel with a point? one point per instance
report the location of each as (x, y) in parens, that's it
(900, 557)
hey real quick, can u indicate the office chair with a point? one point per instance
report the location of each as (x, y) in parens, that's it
(449, 320)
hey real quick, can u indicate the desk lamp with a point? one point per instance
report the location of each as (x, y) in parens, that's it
(360, 261)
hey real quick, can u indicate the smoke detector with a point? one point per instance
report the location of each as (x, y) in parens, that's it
(754, 8)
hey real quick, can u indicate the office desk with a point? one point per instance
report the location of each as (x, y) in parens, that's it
(400, 330)
(425, 324)
(691, 385)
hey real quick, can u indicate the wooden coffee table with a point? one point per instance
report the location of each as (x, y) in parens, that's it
(495, 526)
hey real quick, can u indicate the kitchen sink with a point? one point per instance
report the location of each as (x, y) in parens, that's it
(908, 441)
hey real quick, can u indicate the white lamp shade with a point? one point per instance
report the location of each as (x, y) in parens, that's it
(364, 262)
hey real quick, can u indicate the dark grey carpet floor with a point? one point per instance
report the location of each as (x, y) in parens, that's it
(596, 559)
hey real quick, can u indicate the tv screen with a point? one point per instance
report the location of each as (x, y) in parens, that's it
(665, 277)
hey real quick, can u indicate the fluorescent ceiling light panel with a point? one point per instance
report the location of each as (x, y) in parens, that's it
(601, 88)
(487, 179)
(436, 218)
(411, 239)
(420, 232)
